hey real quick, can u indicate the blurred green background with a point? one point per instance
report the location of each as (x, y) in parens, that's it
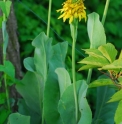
(32, 19)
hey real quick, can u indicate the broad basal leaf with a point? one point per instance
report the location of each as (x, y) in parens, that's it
(108, 50)
(31, 88)
(116, 97)
(29, 64)
(63, 79)
(86, 114)
(25, 110)
(118, 114)
(66, 105)
(52, 92)
(100, 82)
(16, 118)
(42, 53)
(96, 31)
(104, 113)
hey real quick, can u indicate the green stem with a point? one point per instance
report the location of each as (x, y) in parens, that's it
(5, 83)
(105, 11)
(74, 80)
(89, 76)
(74, 35)
(4, 78)
(6, 90)
(49, 16)
(4, 59)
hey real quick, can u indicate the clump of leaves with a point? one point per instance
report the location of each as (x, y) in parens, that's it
(104, 58)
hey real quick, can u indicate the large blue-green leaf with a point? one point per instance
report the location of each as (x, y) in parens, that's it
(96, 31)
(42, 53)
(16, 118)
(29, 64)
(63, 79)
(25, 110)
(86, 114)
(104, 111)
(52, 92)
(31, 88)
(66, 106)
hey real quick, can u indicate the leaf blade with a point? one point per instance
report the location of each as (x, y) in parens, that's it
(63, 79)
(108, 50)
(96, 31)
(86, 114)
(100, 82)
(104, 113)
(118, 117)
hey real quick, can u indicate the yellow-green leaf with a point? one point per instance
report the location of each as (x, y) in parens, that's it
(95, 61)
(94, 52)
(116, 97)
(120, 55)
(118, 114)
(108, 50)
(84, 67)
(117, 64)
(100, 82)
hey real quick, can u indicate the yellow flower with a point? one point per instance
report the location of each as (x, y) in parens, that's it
(72, 10)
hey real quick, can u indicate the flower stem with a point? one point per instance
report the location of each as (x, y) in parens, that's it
(73, 27)
(49, 16)
(105, 11)
(74, 80)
